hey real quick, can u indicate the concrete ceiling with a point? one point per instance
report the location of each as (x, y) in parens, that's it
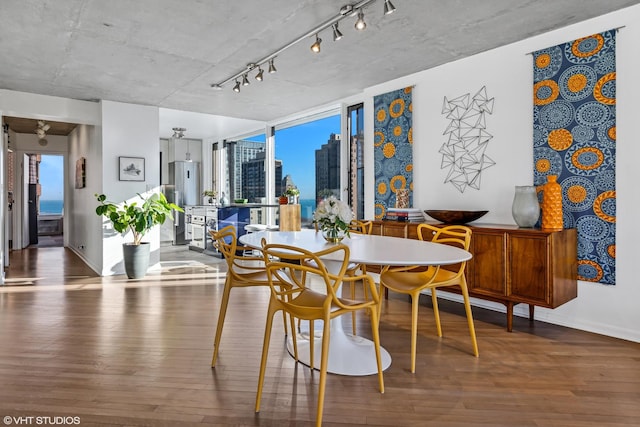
(167, 53)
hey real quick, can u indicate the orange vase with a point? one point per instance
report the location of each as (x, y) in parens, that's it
(552, 204)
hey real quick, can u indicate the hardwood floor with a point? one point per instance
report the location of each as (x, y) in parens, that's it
(115, 352)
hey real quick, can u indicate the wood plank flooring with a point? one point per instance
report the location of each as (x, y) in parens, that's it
(115, 352)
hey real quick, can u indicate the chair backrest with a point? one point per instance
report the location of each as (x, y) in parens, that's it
(290, 269)
(360, 226)
(226, 242)
(454, 235)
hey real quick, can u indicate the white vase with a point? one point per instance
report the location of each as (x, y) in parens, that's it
(525, 208)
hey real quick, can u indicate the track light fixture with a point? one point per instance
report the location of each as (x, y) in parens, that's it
(259, 76)
(337, 35)
(389, 8)
(346, 11)
(316, 46)
(360, 24)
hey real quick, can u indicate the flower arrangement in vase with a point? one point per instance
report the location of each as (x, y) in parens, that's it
(332, 218)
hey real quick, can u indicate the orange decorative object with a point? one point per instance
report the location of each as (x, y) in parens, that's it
(552, 204)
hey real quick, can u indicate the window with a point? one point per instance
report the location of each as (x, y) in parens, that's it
(246, 169)
(355, 128)
(309, 155)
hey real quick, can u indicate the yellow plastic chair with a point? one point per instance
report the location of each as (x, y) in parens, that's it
(242, 271)
(406, 281)
(290, 294)
(358, 227)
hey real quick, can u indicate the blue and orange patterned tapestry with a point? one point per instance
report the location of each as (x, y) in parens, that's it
(393, 148)
(574, 137)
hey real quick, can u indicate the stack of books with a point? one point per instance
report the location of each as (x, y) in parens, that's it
(404, 214)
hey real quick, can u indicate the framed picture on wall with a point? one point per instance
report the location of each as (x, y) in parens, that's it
(131, 168)
(81, 178)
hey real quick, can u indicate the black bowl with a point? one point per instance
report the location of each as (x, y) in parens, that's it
(455, 217)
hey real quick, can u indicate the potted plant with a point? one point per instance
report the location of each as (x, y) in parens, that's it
(137, 218)
(211, 194)
(293, 195)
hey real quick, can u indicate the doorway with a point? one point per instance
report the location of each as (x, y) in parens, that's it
(48, 202)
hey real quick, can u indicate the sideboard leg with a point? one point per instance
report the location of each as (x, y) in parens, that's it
(531, 309)
(509, 316)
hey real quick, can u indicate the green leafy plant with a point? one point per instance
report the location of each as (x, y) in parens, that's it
(209, 193)
(292, 191)
(134, 217)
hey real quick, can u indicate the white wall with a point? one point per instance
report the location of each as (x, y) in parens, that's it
(507, 74)
(131, 131)
(84, 234)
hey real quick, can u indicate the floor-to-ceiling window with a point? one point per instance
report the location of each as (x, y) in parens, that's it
(246, 167)
(355, 129)
(309, 153)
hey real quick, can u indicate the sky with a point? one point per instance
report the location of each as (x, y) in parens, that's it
(51, 177)
(296, 146)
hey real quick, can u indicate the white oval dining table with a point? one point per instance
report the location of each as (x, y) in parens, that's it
(352, 354)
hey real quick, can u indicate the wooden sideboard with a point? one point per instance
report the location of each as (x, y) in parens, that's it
(512, 265)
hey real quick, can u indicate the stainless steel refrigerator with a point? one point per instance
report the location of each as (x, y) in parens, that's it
(183, 190)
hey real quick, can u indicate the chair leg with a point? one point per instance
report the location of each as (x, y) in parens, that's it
(312, 340)
(375, 333)
(323, 370)
(415, 303)
(467, 309)
(265, 351)
(221, 316)
(294, 336)
(436, 312)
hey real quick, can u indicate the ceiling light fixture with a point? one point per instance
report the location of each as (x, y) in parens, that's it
(346, 11)
(41, 132)
(389, 8)
(360, 24)
(178, 132)
(259, 76)
(337, 35)
(316, 46)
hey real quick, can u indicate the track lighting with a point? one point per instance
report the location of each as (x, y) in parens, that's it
(360, 24)
(345, 12)
(316, 46)
(389, 8)
(337, 35)
(259, 75)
